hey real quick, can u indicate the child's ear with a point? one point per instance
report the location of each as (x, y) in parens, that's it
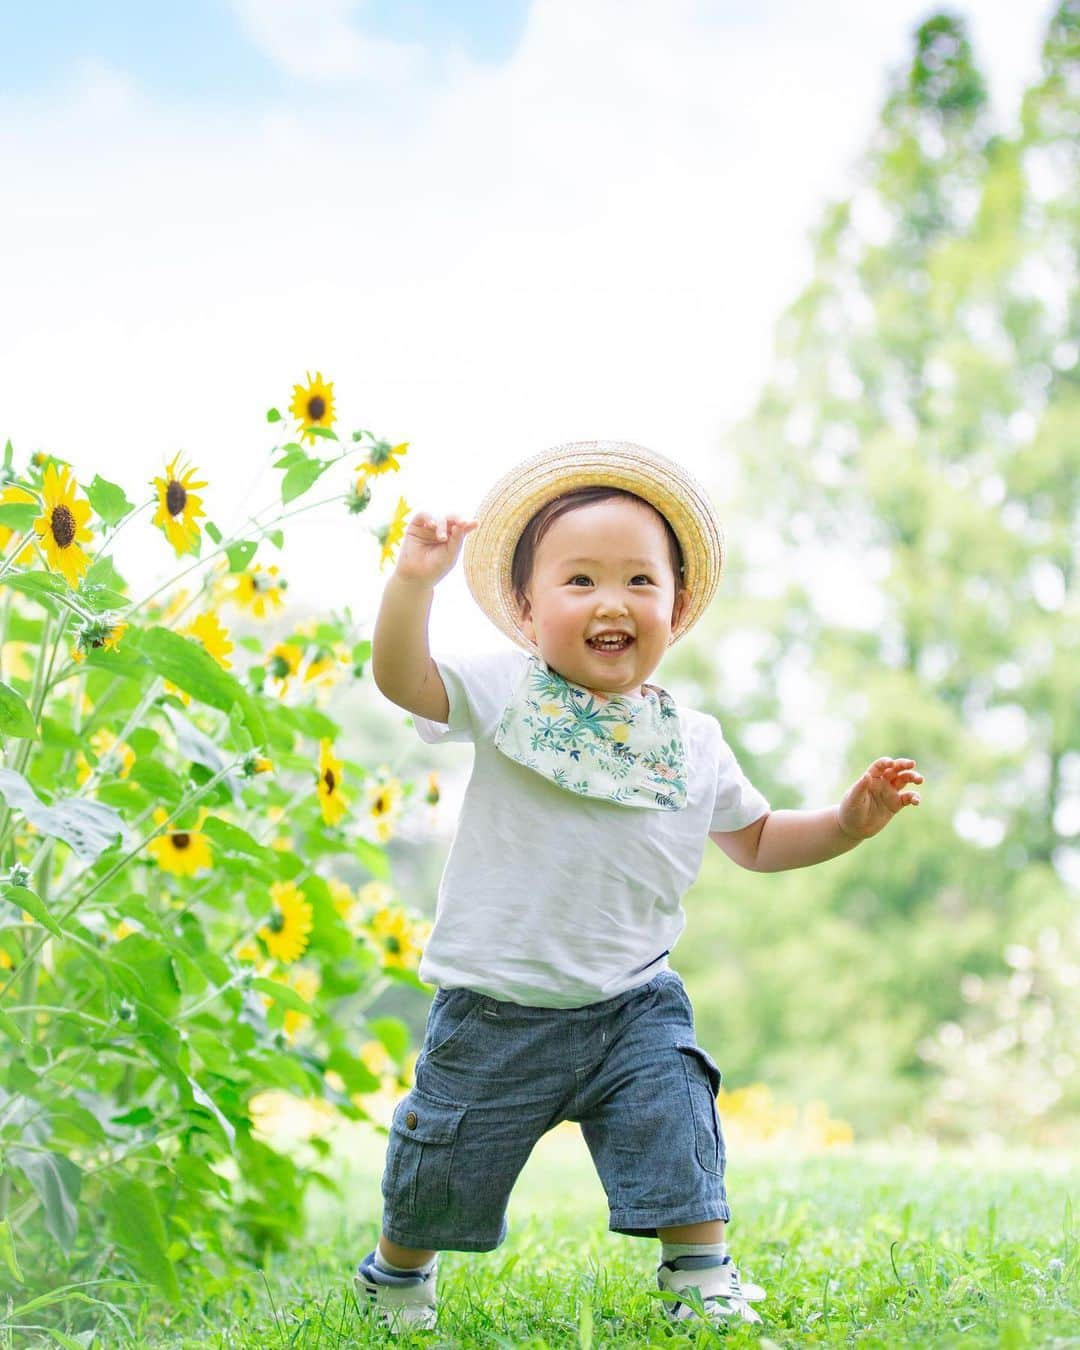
(525, 622)
(681, 602)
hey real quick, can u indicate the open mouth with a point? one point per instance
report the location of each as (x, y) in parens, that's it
(609, 647)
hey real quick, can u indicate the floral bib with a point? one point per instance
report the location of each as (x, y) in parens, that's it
(625, 750)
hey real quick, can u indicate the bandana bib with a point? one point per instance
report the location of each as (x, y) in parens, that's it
(624, 750)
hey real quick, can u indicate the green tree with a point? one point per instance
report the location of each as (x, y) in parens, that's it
(921, 423)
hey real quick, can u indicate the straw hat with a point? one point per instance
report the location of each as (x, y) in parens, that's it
(488, 553)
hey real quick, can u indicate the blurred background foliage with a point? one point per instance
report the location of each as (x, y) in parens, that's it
(914, 467)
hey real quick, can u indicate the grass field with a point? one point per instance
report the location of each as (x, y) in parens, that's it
(870, 1247)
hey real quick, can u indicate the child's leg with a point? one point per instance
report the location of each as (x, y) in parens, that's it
(713, 1231)
(405, 1258)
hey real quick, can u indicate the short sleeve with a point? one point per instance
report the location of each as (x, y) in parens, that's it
(738, 803)
(477, 687)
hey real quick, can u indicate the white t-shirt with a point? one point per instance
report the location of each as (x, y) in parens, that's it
(556, 900)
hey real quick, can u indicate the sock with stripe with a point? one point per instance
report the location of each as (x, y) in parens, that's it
(671, 1251)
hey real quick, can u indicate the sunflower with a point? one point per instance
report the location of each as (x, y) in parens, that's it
(396, 935)
(384, 803)
(431, 796)
(392, 534)
(178, 506)
(286, 933)
(331, 802)
(256, 589)
(313, 406)
(208, 629)
(9, 496)
(282, 665)
(107, 751)
(101, 633)
(324, 662)
(382, 458)
(182, 852)
(62, 527)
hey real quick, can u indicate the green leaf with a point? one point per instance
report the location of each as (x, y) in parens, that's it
(325, 432)
(284, 994)
(108, 500)
(158, 780)
(102, 572)
(191, 667)
(300, 476)
(88, 827)
(277, 538)
(291, 454)
(273, 415)
(7, 1242)
(57, 1182)
(233, 839)
(373, 857)
(213, 531)
(394, 1035)
(19, 516)
(15, 717)
(239, 555)
(11, 1028)
(33, 904)
(37, 583)
(139, 1229)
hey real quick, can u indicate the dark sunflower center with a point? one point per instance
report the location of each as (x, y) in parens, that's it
(329, 780)
(279, 667)
(175, 497)
(380, 804)
(316, 407)
(63, 525)
(181, 840)
(393, 945)
(277, 921)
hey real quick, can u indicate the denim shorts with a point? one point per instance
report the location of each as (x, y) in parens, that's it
(492, 1077)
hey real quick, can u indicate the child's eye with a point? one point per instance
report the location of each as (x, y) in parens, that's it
(582, 577)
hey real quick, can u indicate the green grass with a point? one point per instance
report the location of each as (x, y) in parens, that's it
(871, 1248)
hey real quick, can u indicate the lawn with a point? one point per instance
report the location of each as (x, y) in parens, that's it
(872, 1247)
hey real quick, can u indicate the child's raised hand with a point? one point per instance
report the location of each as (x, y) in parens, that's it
(430, 546)
(872, 800)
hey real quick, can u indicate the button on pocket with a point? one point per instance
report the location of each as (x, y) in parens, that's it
(423, 1132)
(702, 1084)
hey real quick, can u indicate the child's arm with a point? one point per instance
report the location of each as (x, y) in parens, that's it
(401, 663)
(782, 840)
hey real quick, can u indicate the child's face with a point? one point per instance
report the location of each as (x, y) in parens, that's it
(628, 586)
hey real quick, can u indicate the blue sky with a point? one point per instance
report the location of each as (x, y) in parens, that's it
(200, 49)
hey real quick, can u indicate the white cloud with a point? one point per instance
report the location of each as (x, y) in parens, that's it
(592, 239)
(321, 41)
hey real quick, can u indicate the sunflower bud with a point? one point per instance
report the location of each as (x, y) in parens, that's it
(18, 876)
(359, 496)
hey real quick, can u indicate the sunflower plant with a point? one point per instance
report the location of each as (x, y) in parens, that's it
(195, 905)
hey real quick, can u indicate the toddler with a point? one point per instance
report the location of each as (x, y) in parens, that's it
(584, 823)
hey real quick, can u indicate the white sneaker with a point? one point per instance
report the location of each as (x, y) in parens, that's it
(722, 1292)
(399, 1302)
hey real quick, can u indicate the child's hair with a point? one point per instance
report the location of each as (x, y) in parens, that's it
(529, 541)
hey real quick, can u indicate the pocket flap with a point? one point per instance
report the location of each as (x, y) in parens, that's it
(696, 1052)
(418, 1116)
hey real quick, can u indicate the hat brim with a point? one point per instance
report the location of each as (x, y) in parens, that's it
(488, 553)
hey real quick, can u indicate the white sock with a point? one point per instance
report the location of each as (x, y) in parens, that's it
(669, 1251)
(381, 1263)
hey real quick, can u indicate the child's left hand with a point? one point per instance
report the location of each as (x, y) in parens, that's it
(872, 801)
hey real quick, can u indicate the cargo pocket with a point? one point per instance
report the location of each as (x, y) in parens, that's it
(702, 1085)
(423, 1132)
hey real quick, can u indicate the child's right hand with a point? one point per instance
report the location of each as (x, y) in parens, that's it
(430, 547)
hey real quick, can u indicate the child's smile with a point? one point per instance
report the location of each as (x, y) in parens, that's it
(604, 570)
